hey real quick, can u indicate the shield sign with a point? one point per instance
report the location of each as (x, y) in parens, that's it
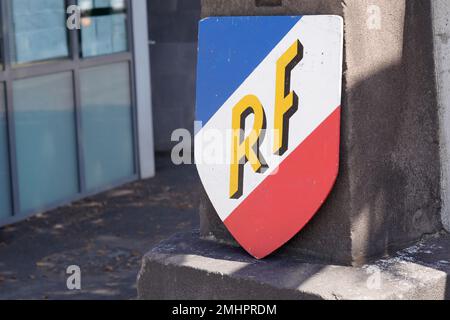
(268, 97)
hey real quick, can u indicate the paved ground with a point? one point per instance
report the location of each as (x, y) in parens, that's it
(105, 235)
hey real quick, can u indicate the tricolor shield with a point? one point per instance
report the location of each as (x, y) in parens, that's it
(268, 97)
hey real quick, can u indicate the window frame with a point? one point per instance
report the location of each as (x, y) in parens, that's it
(74, 63)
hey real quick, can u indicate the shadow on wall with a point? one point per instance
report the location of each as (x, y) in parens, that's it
(173, 30)
(400, 212)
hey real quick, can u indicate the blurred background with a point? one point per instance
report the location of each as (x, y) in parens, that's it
(90, 91)
(74, 115)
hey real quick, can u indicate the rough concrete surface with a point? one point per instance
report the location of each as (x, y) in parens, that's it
(387, 195)
(106, 235)
(441, 34)
(185, 267)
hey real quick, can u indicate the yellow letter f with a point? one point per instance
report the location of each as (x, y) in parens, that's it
(286, 101)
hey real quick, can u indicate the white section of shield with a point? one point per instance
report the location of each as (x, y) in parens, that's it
(317, 80)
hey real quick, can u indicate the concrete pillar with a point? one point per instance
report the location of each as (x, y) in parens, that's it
(388, 192)
(441, 35)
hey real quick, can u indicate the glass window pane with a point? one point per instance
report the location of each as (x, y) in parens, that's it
(39, 30)
(5, 191)
(107, 124)
(103, 27)
(45, 140)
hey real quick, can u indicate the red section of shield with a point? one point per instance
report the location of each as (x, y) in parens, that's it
(285, 202)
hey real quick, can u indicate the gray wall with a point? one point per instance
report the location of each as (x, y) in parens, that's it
(173, 26)
(441, 34)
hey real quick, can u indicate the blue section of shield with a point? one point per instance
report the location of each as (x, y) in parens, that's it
(230, 48)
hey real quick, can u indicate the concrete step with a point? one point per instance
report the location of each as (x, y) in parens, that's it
(186, 267)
